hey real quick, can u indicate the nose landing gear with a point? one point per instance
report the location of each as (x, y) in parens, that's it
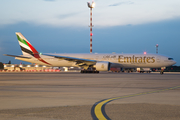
(162, 70)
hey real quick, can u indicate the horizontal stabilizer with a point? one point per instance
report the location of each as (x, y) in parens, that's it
(17, 56)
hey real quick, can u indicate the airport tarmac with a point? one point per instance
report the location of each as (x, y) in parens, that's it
(71, 96)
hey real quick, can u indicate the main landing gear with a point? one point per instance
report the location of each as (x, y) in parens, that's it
(87, 71)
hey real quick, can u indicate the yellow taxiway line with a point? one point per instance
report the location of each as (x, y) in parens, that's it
(98, 108)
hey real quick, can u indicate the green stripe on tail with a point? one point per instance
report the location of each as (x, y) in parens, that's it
(22, 40)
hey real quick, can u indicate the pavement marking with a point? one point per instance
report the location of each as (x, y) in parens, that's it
(98, 109)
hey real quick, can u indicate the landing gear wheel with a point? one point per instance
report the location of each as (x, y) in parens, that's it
(97, 71)
(85, 71)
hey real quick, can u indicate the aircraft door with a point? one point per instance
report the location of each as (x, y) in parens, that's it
(158, 59)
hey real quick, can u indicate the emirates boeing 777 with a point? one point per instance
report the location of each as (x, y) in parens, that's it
(94, 62)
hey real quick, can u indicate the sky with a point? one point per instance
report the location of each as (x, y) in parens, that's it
(61, 26)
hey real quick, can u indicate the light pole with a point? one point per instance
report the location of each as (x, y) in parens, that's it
(157, 48)
(91, 6)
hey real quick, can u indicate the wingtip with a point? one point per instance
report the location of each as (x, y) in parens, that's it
(5, 54)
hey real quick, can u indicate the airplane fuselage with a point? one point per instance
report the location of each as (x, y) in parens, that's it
(116, 60)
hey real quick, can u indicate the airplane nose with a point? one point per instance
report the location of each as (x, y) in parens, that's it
(174, 62)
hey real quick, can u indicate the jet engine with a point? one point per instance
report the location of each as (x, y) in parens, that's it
(102, 66)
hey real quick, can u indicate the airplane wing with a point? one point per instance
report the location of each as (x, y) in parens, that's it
(79, 61)
(17, 56)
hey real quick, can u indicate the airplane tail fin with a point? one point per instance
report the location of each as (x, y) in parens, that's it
(26, 47)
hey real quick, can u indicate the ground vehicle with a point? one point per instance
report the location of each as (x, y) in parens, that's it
(142, 70)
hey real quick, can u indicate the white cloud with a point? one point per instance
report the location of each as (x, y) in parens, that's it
(121, 3)
(49, 0)
(76, 13)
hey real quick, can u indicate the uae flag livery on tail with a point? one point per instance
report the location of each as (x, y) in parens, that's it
(27, 48)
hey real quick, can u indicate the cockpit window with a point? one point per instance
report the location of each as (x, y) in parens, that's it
(170, 58)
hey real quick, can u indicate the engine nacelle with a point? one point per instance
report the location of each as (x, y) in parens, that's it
(102, 66)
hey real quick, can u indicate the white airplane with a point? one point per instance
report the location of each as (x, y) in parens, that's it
(90, 62)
